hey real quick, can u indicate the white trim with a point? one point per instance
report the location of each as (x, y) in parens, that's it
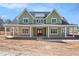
(25, 22)
(5, 31)
(25, 33)
(49, 14)
(41, 21)
(35, 25)
(55, 19)
(17, 30)
(48, 31)
(73, 31)
(65, 31)
(13, 31)
(62, 30)
(24, 11)
(30, 32)
(52, 12)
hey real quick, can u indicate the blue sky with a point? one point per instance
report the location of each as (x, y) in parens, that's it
(69, 10)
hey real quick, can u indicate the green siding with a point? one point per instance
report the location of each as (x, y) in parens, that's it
(47, 32)
(25, 15)
(59, 34)
(54, 15)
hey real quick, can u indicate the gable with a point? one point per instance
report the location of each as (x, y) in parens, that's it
(24, 14)
(54, 14)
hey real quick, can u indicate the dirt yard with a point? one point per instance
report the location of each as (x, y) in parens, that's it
(10, 47)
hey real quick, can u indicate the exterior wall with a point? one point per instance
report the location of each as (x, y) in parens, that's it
(25, 15)
(21, 31)
(59, 34)
(54, 15)
(44, 29)
(18, 31)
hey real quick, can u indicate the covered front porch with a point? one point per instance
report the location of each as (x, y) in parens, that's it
(40, 30)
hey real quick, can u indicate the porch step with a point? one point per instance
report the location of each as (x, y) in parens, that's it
(39, 38)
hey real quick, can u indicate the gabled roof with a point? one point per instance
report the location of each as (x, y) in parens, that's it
(33, 13)
(52, 12)
(46, 15)
(24, 10)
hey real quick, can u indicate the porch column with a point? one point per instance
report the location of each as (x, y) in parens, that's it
(17, 30)
(65, 31)
(5, 31)
(13, 31)
(30, 32)
(73, 32)
(48, 31)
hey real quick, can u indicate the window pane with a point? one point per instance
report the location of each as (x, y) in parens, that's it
(25, 20)
(53, 21)
(53, 30)
(25, 31)
(39, 21)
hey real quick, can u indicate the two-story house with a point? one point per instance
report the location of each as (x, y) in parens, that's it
(43, 24)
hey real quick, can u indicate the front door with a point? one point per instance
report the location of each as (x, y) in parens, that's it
(39, 32)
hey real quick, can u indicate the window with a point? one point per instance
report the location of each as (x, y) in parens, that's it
(44, 21)
(63, 30)
(39, 21)
(25, 31)
(54, 31)
(25, 20)
(54, 20)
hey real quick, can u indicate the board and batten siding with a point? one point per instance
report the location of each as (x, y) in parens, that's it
(25, 14)
(53, 14)
(59, 33)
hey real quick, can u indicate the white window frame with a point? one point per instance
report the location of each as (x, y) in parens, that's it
(62, 30)
(41, 21)
(26, 32)
(24, 19)
(52, 19)
(52, 29)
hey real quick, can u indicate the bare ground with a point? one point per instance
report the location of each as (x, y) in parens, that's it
(10, 47)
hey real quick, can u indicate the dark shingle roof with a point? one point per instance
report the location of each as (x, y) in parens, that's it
(45, 13)
(64, 21)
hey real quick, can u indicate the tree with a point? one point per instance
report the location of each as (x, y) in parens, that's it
(1, 21)
(1, 24)
(8, 21)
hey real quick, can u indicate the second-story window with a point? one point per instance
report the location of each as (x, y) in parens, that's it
(26, 20)
(40, 21)
(54, 20)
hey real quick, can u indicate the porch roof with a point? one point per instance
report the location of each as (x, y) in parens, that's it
(37, 25)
